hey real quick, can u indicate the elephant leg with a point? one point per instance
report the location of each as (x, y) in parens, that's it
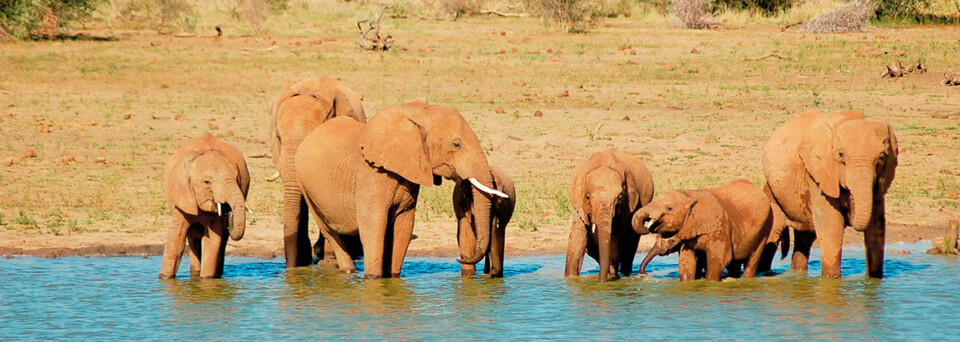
(687, 265)
(296, 238)
(734, 269)
(212, 238)
(194, 238)
(802, 241)
(402, 232)
(628, 251)
(829, 224)
(467, 240)
(576, 247)
(750, 270)
(373, 233)
(222, 249)
(344, 261)
(494, 262)
(874, 240)
(173, 250)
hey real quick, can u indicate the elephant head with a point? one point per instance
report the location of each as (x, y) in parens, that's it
(845, 152)
(602, 189)
(660, 248)
(424, 143)
(211, 180)
(683, 215)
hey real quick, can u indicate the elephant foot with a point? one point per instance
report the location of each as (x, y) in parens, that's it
(468, 273)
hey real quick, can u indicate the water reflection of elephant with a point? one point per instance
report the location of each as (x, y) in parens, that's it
(324, 293)
(200, 300)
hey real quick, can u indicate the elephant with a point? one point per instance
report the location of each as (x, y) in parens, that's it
(720, 228)
(500, 214)
(605, 190)
(298, 110)
(364, 178)
(826, 171)
(206, 184)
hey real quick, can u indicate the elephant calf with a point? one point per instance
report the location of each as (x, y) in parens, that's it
(727, 226)
(500, 212)
(206, 184)
(606, 189)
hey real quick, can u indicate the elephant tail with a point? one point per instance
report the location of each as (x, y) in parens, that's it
(784, 242)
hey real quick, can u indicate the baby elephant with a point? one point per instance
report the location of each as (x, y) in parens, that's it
(727, 226)
(500, 213)
(605, 191)
(206, 185)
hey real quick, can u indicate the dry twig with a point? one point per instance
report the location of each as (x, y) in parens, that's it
(369, 38)
(507, 15)
(772, 54)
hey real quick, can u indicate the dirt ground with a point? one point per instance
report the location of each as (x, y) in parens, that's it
(86, 126)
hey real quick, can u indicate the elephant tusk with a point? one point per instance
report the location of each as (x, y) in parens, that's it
(248, 210)
(648, 224)
(484, 188)
(276, 174)
(593, 228)
(219, 212)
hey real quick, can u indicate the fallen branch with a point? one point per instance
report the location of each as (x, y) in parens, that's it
(772, 54)
(507, 15)
(788, 26)
(370, 39)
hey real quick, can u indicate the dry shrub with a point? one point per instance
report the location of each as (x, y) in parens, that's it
(164, 16)
(690, 13)
(849, 17)
(253, 13)
(460, 7)
(572, 15)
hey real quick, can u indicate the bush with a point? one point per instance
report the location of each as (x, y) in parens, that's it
(164, 16)
(850, 17)
(21, 19)
(572, 15)
(767, 7)
(902, 9)
(690, 13)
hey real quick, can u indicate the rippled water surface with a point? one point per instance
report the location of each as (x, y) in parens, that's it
(113, 298)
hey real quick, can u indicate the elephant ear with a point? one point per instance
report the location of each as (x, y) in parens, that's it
(340, 105)
(633, 173)
(704, 216)
(394, 142)
(274, 135)
(817, 153)
(578, 187)
(177, 183)
(890, 166)
(236, 158)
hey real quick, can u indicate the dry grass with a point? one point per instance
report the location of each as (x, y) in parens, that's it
(698, 115)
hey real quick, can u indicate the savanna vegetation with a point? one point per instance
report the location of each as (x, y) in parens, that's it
(87, 124)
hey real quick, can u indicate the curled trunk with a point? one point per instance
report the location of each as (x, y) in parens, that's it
(237, 219)
(861, 199)
(603, 218)
(481, 211)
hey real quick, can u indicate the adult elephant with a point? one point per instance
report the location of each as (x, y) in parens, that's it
(826, 171)
(364, 178)
(206, 184)
(297, 112)
(605, 191)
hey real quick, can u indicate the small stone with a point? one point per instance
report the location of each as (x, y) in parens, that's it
(537, 114)
(503, 33)
(633, 52)
(31, 153)
(564, 93)
(230, 133)
(514, 50)
(500, 110)
(7, 162)
(503, 51)
(694, 50)
(100, 160)
(622, 47)
(625, 118)
(549, 50)
(68, 159)
(178, 117)
(214, 127)
(127, 117)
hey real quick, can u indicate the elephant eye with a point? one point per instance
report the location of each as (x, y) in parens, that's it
(669, 208)
(456, 144)
(206, 181)
(840, 157)
(587, 196)
(882, 158)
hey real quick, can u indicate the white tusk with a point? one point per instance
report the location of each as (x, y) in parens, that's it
(593, 228)
(648, 224)
(249, 211)
(219, 212)
(276, 174)
(484, 188)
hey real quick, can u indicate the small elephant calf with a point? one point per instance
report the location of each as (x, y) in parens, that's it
(500, 214)
(717, 228)
(206, 184)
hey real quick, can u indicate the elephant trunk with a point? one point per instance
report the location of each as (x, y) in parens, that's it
(603, 220)
(861, 204)
(650, 255)
(482, 203)
(638, 224)
(291, 203)
(237, 219)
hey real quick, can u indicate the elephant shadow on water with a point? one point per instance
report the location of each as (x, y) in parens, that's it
(413, 268)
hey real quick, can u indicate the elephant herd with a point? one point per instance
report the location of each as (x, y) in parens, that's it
(360, 180)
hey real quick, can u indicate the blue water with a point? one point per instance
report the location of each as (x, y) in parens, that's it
(120, 298)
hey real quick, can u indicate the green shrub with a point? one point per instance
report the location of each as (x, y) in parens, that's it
(767, 7)
(20, 19)
(902, 9)
(572, 15)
